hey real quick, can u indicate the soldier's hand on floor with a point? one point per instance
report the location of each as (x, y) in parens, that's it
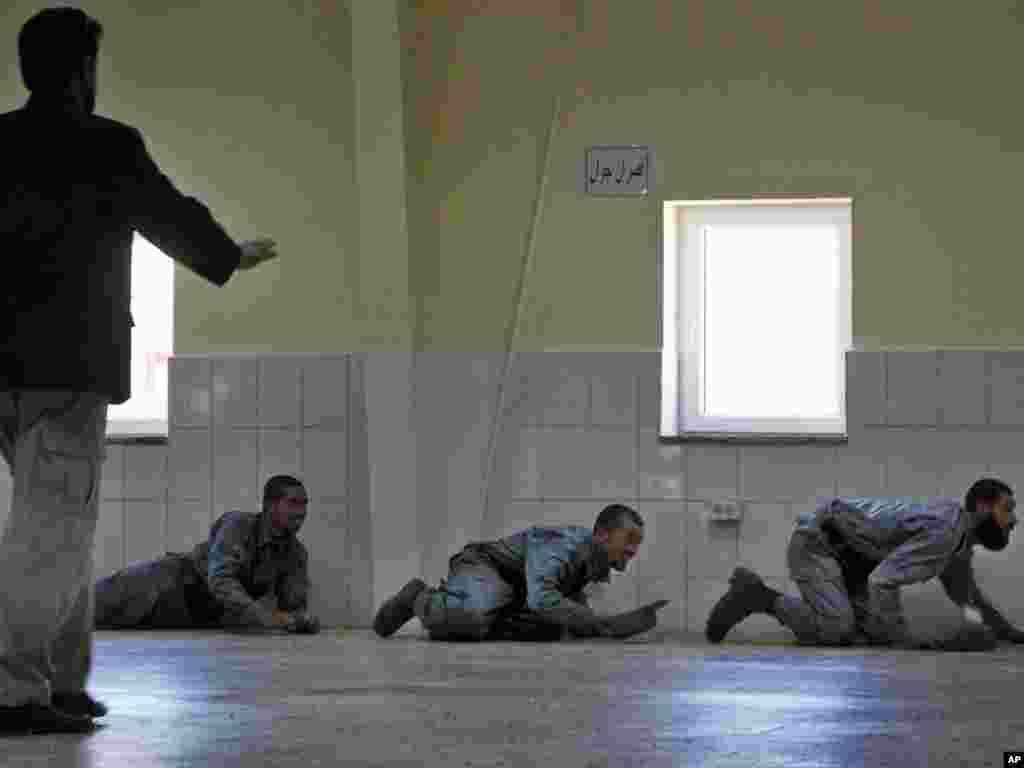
(305, 624)
(282, 619)
(916, 643)
(255, 252)
(971, 637)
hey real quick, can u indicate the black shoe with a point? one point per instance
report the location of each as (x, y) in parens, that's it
(78, 703)
(41, 718)
(398, 610)
(747, 594)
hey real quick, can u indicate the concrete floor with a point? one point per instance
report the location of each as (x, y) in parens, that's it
(346, 698)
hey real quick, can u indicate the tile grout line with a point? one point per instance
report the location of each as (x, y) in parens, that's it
(124, 507)
(167, 493)
(260, 377)
(684, 468)
(302, 419)
(885, 389)
(210, 427)
(739, 481)
(686, 554)
(588, 405)
(987, 395)
(348, 461)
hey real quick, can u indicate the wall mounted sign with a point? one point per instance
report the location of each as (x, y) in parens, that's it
(617, 170)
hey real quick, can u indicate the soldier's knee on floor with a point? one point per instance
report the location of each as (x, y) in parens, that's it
(838, 631)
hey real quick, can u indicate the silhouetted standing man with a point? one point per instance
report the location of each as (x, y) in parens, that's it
(73, 189)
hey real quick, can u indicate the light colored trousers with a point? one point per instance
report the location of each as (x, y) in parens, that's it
(54, 443)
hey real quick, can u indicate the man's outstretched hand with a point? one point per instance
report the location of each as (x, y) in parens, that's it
(255, 252)
(1012, 635)
(634, 622)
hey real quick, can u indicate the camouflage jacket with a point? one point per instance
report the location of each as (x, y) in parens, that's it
(549, 566)
(907, 541)
(243, 561)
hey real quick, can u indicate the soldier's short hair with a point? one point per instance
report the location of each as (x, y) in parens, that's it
(986, 489)
(617, 516)
(279, 485)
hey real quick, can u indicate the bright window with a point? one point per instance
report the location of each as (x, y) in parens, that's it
(145, 413)
(756, 319)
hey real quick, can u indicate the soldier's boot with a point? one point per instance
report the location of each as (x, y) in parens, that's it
(34, 717)
(398, 609)
(747, 595)
(77, 703)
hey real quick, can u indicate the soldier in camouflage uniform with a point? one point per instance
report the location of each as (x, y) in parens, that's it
(528, 586)
(222, 580)
(851, 556)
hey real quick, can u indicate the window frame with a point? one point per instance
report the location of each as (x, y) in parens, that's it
(683, 343)
(147, 430)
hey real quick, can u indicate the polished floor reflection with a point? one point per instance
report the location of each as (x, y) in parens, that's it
(346, 698)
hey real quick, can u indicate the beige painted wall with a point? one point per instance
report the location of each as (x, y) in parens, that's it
(913, 111)
(912, 114)
(247, 106)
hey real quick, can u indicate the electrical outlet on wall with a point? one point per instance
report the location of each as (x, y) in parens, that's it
(725, 512)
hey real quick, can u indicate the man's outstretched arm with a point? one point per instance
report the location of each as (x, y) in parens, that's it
(179, 225)
(547, 567)
(962, 588)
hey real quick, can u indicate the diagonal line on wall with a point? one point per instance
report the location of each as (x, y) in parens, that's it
(528, 261)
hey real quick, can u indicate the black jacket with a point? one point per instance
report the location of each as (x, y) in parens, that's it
(73, 190)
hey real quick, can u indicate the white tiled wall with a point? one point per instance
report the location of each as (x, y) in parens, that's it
(712, 550)
(1006, 388)
(586, 464)
(912, 388)
(578, 431)
(553, 389)
(236, 392)
(236, 464)
(765, 535)
(660, 468)
(324, 402)
(454, 398)
(279, 402)
(962, 390)
(190, 457)
(659, 570)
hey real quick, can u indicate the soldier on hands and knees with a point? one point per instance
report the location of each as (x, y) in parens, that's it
(852, 555)
(527, 586)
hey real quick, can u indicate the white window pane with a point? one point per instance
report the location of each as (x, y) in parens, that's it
(770, 321)
(152, 306)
